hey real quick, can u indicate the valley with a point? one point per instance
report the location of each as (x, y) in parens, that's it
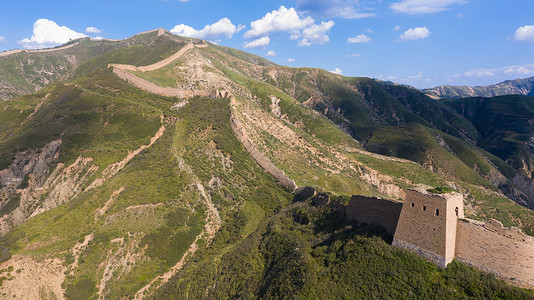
(161, 167)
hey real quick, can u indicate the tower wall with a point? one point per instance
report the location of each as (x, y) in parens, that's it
(428, 223)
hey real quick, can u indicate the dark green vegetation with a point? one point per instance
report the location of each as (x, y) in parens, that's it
(310, 252)
(505, 125)
(196, 187)
(509, 87)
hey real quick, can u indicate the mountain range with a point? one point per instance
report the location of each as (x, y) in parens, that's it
(510, 87)
(162, 167)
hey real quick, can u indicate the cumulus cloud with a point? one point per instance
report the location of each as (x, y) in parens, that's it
(362, 38)
(257, 43)
(414, 7)
(288, 20)
(2, 39)
(219, 29)
(291, 59)
(337, 71)
(416, 33)
(92, 30)
(283, 19)
(315, 34)
(524, 33)
(396, 28)
(271, 53)
(348, 9)
(47, 33)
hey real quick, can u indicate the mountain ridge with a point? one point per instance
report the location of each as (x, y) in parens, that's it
(143, 187)
(509, 87)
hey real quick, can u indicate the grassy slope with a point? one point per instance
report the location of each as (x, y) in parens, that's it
(78, 114)
(307, 252)
(504, 125)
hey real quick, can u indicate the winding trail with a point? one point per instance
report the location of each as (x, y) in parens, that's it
(213, 224)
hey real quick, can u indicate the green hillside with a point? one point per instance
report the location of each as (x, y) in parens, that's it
(111, 191)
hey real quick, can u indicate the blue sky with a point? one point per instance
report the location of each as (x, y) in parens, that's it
(423, 43)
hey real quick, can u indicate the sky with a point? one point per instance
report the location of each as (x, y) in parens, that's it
(423, 43)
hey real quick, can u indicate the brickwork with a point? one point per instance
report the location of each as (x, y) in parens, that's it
(506, 252)
(427, 225)
(373, 210)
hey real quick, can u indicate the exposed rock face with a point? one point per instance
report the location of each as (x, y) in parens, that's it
(510, 87)
(34, 162)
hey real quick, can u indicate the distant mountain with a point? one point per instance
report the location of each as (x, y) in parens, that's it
(165, 167)
(509, 87)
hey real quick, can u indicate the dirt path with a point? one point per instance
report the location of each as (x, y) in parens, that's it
(101, 211)
(113, 169)
(213, 224)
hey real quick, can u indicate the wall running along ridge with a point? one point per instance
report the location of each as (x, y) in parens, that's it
(262, 160)
(433, 226)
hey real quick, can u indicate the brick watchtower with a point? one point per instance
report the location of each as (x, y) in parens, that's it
(427, 225)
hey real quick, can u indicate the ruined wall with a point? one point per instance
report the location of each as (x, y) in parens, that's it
(506, 252)
(373, 210)
(427, 225)
(261, 159)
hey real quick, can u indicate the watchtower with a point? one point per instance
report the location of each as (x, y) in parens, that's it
(427, 225)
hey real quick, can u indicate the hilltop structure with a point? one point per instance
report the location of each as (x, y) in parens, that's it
(434, 226)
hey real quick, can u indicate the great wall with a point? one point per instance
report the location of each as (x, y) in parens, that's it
(431, 225)
(434, 226)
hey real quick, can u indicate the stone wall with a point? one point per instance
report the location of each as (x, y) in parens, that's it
(373, 210)
(506, 252)
(427, 225)
(261, 159)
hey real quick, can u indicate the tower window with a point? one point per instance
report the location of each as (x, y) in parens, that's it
(424, 208)
(413, 204)
(437, 212)
(456, 210)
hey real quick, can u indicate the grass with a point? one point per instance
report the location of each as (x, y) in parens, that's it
(311, 253)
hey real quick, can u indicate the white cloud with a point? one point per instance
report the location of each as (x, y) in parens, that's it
(337, 71)
(47, 33)
(362, 38)
(348, 9)
(257, 43)
(2, 39)
(92, 30)
(271, 53)
(524, 33)
(291, 59)
(353, 55)
(98, 37)
(288, 20)
(316, 34)
(283, 19)
(221, 28)
(414, 7)
(396, 28)
(503, 72)
(416, 33)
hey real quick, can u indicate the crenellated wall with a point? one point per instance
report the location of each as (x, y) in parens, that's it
(506, 252)
(433, 226)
